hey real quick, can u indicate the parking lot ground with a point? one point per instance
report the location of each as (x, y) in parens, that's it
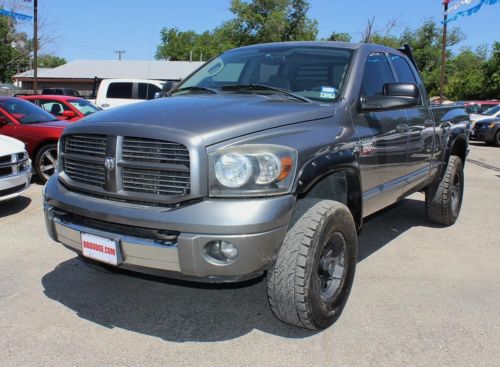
(423, 296)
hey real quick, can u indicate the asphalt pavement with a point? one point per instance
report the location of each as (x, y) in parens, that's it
(423, 296)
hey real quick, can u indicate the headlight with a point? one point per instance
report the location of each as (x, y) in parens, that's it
(252, 170)
(491, 125)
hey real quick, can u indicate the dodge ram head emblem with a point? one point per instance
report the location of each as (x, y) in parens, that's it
(109, 164)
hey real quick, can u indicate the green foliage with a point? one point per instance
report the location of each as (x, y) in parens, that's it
(465, 75)
(342, 37)
(257, 21)
(14, 50)
(50, 61)
(491, 70)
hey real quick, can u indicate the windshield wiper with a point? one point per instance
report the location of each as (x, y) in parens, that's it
(262, 87)
(195, 88)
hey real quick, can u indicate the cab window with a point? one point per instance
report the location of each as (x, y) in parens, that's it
(377, 73)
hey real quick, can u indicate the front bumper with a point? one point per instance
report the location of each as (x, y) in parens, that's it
(14, 185)
(256, 227)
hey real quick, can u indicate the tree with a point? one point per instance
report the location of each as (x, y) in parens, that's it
(342, 37)
(50, 61)
(260, 21)
(14, 49)
(491, 70)
(466, 76)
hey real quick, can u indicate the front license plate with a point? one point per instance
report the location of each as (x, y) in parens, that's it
(99, 248)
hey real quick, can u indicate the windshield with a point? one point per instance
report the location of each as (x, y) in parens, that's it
(491, 111)
(84, 106)
(316, 73)
(26, 112)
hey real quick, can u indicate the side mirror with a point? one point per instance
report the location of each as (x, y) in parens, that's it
(69, 114)
(394, 96)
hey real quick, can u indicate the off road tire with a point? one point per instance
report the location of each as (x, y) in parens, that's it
(444, 199)
(297, 293)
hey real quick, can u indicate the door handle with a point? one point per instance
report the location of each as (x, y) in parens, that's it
(402, 128)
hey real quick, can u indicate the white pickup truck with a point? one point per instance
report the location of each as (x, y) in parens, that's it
(15, 168)
(118, 92)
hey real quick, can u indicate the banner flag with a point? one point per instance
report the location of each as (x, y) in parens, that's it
(15, 15)
(471, 11)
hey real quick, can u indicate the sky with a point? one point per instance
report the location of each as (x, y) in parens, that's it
(94, 29)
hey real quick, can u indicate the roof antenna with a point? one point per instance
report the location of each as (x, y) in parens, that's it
(120, 52)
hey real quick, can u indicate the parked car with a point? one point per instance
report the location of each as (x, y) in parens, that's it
(36, 128)
(266, 159)
(63, 107)
(62, 92)
(15, 168)
(478, 107)
(487, 130)
(118, 92)
(490, 112)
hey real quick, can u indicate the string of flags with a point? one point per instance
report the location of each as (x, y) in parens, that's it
(14, 14)
(471, 11)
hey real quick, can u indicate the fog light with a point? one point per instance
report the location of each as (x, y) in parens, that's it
(228, 250)
(221, 251)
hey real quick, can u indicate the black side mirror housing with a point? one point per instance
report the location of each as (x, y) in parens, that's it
(394, 96)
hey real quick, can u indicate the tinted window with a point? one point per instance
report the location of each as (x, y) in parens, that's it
(377, 73)
(84, 106)
(147, 91)
(119, 90)
(403, 70)
(25, 112)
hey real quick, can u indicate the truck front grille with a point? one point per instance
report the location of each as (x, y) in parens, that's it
(85, 172)
(129, 168)
(158, 182)
(86, 145)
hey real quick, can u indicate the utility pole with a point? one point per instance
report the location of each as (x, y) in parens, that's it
(120, 52)
(35, 46)
(443, 52)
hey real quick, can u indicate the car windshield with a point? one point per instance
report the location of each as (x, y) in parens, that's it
(84, 106)
(304, 72)
(491, 111)
(26, 112)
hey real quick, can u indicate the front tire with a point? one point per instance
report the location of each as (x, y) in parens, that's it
(310, 282)
(496, 140)
(444, 200)
(46, 162)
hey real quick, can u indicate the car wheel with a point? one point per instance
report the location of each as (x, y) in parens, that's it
(310, 282)
(496, 141)
(444, 200)
(46, 162)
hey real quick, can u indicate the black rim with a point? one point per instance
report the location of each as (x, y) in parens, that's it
(332, 267)
(48, 163)
(456, 189)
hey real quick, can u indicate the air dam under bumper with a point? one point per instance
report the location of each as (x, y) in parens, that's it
(256, 227)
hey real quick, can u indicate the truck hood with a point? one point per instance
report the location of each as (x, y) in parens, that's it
(213, 118)
(10, 145)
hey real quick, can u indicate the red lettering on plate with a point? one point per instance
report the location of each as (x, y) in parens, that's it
(99, 248)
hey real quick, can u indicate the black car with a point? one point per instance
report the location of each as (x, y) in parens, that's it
(62, 92)
(487, 130)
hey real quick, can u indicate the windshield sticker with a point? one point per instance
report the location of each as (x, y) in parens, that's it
(329, 93)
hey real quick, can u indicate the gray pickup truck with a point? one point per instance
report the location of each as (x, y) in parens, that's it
(266, 159)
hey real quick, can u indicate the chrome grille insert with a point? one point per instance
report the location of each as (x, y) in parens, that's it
(85, 172)
(86, 145)
(155, 151)
(158, 182)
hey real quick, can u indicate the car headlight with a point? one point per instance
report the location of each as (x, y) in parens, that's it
(252, 170)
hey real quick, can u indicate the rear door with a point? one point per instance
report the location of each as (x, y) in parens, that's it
(382, 146)
(421, 129)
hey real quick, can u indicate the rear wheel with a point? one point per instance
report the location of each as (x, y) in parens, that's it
(444, 200)
(46, 162)
(310, 282)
